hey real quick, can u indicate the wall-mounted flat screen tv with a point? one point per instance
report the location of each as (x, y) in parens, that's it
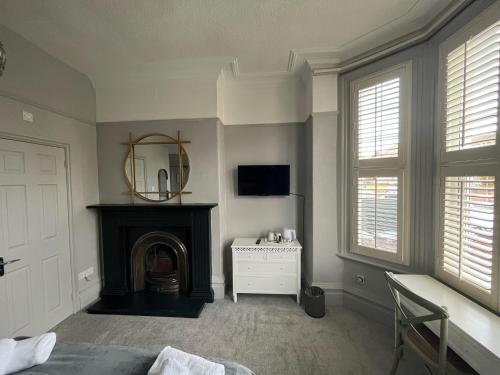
(263, 180)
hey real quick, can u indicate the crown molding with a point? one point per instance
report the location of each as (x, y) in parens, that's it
(323, 61)
(316, 58)
(398, 44)
(205, 69)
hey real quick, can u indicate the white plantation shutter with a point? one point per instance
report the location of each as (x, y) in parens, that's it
(470, 81)
(378, 213)
(380, 105)
(467, 229)
(378, 120)
(472, 85)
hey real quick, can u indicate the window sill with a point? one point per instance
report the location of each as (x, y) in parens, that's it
(374, 263)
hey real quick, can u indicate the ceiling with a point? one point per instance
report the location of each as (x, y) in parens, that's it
(101, 38)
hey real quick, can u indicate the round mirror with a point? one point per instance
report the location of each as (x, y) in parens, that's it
(160, 169)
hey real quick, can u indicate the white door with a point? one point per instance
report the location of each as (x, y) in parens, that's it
(35, 292)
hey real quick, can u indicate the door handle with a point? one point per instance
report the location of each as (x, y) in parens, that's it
(3, 264)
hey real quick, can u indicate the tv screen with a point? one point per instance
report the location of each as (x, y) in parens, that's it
(263, 180)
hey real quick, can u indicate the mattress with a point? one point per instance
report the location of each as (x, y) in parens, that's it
(90, 359)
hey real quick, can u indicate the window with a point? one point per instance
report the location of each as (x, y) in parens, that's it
(468, 167)
(380, 111)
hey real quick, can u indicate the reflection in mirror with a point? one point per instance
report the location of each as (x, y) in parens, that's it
(157, 168)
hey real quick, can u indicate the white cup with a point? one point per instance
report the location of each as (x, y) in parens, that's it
(289, 234)
(271, 237)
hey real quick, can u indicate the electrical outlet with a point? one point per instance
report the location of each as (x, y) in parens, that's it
(86, 274)
(28, 116)
(360, 279)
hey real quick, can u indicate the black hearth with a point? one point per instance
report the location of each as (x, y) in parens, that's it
(156, 259)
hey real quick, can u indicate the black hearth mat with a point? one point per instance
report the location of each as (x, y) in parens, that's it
(148, 304)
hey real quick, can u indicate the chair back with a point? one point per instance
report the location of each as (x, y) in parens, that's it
(403, 319)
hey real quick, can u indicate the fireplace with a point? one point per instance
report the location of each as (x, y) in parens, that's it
(156, 259)
(159, 264)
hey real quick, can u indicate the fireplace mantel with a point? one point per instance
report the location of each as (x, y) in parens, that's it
(121, 225)
(152, 206)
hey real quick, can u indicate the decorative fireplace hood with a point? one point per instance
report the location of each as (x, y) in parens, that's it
(129, 234)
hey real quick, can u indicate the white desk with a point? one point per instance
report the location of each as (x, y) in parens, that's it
(474, 332)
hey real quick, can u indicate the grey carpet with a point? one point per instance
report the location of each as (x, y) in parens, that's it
(269, 334)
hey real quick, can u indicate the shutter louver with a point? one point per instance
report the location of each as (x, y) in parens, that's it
(472, 86)
(377, 219)
(378, 120)
(467, 229)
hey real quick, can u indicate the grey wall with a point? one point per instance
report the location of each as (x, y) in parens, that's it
(64, 113)
(263, 144)
(215, 152)
(37, 78)
(424, 59)
(204, 154)
(307, 258)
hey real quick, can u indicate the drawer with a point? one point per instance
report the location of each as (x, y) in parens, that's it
(266, 284)
(254, 267)
(284, 256)
(251, 255)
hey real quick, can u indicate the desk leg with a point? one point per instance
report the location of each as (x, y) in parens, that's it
(235, 297)
(299, 275)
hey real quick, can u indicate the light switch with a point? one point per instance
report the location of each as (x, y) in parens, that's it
(28, 116)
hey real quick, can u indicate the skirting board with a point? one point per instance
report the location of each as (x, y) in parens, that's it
(370, 309)
(334, 294)
(219, 289)
(89, 295)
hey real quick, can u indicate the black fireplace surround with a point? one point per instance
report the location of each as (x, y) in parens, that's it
(123, 227)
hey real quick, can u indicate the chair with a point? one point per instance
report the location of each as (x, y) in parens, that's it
(411, 332)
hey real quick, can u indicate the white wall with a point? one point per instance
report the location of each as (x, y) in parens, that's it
(136, 100)
(324, 93)
(263, 100)
(63, 112)
(267, 99)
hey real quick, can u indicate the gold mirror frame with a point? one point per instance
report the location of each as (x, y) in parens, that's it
(130, 155)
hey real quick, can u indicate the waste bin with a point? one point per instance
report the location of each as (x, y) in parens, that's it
(314, 302)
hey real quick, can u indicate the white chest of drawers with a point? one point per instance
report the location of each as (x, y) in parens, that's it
(266, 268)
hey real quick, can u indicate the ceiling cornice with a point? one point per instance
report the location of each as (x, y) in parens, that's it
(316, 58)
(396, 45)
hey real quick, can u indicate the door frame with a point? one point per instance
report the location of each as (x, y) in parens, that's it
(67, 156)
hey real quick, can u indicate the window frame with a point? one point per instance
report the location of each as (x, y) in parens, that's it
(481, 161)
(398, 166)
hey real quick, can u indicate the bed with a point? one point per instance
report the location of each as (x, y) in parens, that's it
(90, 359)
